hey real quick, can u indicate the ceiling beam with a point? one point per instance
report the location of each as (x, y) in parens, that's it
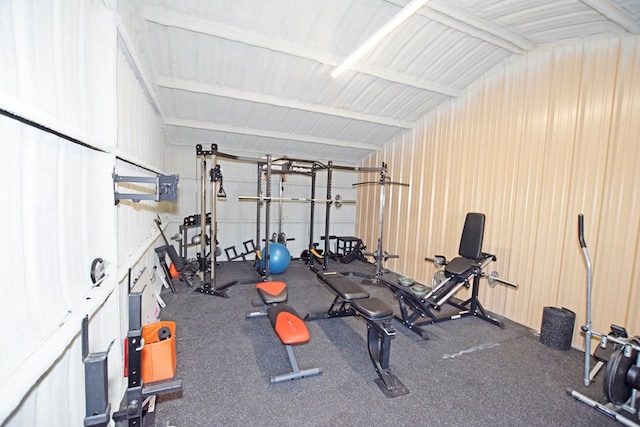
(164, 17)
(264, 133)
(472, 25)
(614, 13)
(216, 90)
(477, 27)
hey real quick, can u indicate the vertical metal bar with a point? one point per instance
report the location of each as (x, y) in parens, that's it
(292, 358)
(587, 332)
(383, 182)
(135, 308)
(203, 216)
(134, 363)
(281, 194)
(213, 226)
(267, 216)
(474, 293)
(385, 350)
(258, 204)
(85, 337)
(313, 210)
(587, 327)
(327, 216)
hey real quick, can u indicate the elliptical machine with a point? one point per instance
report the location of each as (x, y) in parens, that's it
(621, 360)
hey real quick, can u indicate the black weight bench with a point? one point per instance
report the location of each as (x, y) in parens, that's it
(352, 300)
(346, 292)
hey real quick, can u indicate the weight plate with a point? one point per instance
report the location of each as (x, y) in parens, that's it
(615, 385)
(492, 279)
(437, 279)
(164, 333)
(97, 270)
(282, 239)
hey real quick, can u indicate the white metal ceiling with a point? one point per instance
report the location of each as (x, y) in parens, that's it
(253, 76)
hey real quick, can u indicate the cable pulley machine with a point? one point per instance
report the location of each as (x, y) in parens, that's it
(215, 175)
(379, 255)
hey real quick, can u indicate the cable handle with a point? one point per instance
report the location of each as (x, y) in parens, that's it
(581, 231)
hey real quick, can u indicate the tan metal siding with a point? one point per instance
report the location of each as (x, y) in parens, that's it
(532, 145)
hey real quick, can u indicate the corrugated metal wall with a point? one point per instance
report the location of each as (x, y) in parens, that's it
(75, 108)
(533, 144)
(59, 79)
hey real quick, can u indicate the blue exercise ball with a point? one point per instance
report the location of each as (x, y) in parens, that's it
(279, 258)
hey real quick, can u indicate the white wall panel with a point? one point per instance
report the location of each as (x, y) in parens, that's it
(60, 73)
(532, 144)
(54, 53)
(140, 132)
(56, 222)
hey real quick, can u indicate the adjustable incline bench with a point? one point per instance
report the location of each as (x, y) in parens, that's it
(287, 324)
(352, 300)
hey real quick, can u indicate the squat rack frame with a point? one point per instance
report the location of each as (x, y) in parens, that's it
(263, 166)
(305, 167)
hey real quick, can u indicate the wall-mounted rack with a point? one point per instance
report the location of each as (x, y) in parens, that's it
(166, 189)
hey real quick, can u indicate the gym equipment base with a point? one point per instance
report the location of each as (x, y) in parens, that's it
(413, 307)
(207, 289)
(391, 386)
(605, 409)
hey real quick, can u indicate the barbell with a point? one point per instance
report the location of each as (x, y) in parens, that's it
(493, 278)
(337, 201)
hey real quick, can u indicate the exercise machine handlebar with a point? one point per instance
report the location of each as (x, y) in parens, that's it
(581, 231)
(588, 332)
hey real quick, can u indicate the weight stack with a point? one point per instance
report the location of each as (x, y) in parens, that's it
(557, 327)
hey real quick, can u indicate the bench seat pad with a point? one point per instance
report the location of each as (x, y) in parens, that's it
(461, 267)
(290, 328)
(373, 308)
(272, 292)
(344, 287)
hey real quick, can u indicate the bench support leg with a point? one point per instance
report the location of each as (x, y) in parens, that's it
(379, 341)
(296, 372)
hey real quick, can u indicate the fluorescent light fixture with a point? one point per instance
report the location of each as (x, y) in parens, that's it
(411, 8)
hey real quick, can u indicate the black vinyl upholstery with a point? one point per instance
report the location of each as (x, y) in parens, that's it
(472, 236)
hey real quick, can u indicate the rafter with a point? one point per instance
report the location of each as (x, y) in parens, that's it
(166, 18)
(615, 14)
(265, 133)
(216, 90)
(477, 27)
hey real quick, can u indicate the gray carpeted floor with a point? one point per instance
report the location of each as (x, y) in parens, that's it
(469, 373)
